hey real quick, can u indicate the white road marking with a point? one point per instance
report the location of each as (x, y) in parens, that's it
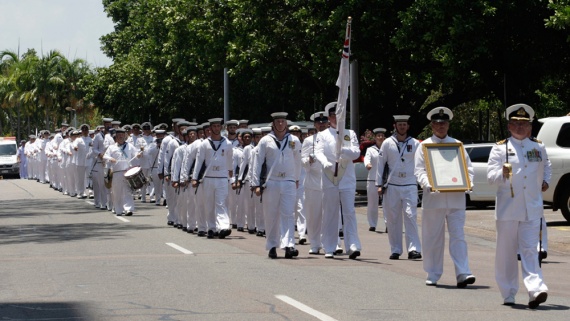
(90, 203)
(304, 308)
(122, 219)
(179, 248)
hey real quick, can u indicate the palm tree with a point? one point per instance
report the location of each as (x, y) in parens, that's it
(49, 80)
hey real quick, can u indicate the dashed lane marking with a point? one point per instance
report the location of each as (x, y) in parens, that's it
(179, 248)
(122, 219)
(304, 308)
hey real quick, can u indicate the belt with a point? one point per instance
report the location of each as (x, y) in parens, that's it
(402, 185)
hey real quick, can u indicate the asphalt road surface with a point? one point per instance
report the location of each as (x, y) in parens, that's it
(62, 259)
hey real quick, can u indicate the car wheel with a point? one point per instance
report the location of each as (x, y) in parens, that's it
(564, 203)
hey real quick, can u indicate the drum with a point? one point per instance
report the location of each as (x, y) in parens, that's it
(135, 178)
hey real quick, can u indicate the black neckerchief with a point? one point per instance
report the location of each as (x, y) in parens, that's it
(286, 138)
(403, 150)
(213, 145)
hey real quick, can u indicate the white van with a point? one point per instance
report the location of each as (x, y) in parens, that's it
(9, 157)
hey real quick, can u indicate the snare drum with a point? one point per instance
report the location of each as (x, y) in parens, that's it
(135, 178)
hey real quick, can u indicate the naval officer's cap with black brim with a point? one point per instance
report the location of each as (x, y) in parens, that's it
(330, 108)
(135, 125)
(294, 128)
(519, 112)
(107, 120)
(127, 127)
(85, 125)
(440, 114)
(320, 117)
(146, 125)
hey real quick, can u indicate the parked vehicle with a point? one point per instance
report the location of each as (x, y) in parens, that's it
(483, 193)
(9, 157)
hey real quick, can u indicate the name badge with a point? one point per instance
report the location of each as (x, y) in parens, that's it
(281, 174)
(402, 175)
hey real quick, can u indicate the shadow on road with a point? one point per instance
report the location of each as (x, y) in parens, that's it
(39, 207)
(44, 311)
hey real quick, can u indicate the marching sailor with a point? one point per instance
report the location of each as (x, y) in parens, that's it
(371, 164)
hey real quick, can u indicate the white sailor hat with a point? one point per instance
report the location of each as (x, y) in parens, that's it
(256, 131)
(146, 125)
(32, 137)
(127, 127)
(107, 120)
(246, 131)
(177, 120)
(75, 133)
(205, 125)
(379, 130)
(84, 125)
(99, 127)
(243, 121)
(137, 125)
(232, 122)
(184, 132)
(199, 127)
(64, 124)
(440, 114)
(294, 128)
(330, 108)
(91, 132)
(215, 121)
(279, 115)
(116, 122)
(265, 129)
(304, 130)
(163, 126)
(58, 130)
(401, 118)
(320, 116)
(184, 123)
(160, 131)
(519, 112)
(120, 130)
(51, 136)
(191, 129)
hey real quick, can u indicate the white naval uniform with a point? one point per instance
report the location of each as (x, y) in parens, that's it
(245, 179)
(23, 162)
(371, 158)
(82, 144)
(236, 204)
(152, 154)
(217, 155)
(109, 141)
(400, 203)
(280, 192)
(42, 158)
(518, 217)
(437, 208)
(57, 173)
(181, 195)
(122, 193)
(188, 162)
(171, 192)
(313, 193)
(145, 164)
(98, 171)
(258, 206)
(342, 196)
(168, 191)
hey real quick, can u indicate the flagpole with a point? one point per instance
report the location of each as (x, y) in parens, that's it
(342, 84)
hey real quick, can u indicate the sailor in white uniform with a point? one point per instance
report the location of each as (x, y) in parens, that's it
(439, 208)
(371, 165)
(520, 167)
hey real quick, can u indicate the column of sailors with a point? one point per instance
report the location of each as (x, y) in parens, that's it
(269, 181)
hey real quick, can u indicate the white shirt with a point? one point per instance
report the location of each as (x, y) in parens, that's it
(283, 155)
(400, 159)
(325, 152)
(217, 155)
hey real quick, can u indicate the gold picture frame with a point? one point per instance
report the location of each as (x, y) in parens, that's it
(446, 167)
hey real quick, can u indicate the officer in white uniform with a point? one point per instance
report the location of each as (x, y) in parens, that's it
(338, 191)
(188, 163)
(441, 207)
(98, 170)
(254, 209)
(177, 182)
(400, 190)
(215, 153)
(232, 137)
(242, 184)
(313, 184)
(371, 164)
(146, 162)
(120, 156)
(153, 155)
(163, 169)
(281, 154)
(81, 145)
(520, 167)
(300, 218)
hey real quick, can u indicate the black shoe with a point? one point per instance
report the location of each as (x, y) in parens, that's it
(129, 213)
(170, 223)
(291, 252)
(354, 255)
(234, 226)
(216, 234)
(302, 240)
(272, 253)
(179, 226)
(201, 234)
(372, 229)
(338, 251)
(223, 233)
(259, 233)
(240, 229)
(386, 230)
(414, 255)
(184, 229)
(395, 256)
(189, 230)
(210, 234)
(196, 230)
(251, 231)
(543, 255)
(540, 298)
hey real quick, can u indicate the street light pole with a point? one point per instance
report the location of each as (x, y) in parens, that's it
(71, 110)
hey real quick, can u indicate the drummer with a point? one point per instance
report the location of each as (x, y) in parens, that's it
(119, 157)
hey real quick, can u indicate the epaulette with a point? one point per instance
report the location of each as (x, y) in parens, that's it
(534, 139)
(501, 142)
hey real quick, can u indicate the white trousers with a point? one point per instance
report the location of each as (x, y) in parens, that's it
(80, 179)
(522, 236)
(372, 207)
(259, 216)
(401, 206)
(122, 193)
(300, 212)
(182, 205)
(314, 214)
(215, 206)
(170, 196)
(71, 179)
(158, 187)
(279, 211)
(335, 199)
(433, 240)
(99, 189)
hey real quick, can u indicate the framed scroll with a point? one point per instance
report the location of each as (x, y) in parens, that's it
(446, 167)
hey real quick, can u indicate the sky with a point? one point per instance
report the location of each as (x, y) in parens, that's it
(71, 26)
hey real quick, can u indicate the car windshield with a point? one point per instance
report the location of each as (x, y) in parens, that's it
(8, 150)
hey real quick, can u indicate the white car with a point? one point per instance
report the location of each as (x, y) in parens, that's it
(9, 157)
(483, 193)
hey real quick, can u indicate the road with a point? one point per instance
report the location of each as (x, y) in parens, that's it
(62, 259)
